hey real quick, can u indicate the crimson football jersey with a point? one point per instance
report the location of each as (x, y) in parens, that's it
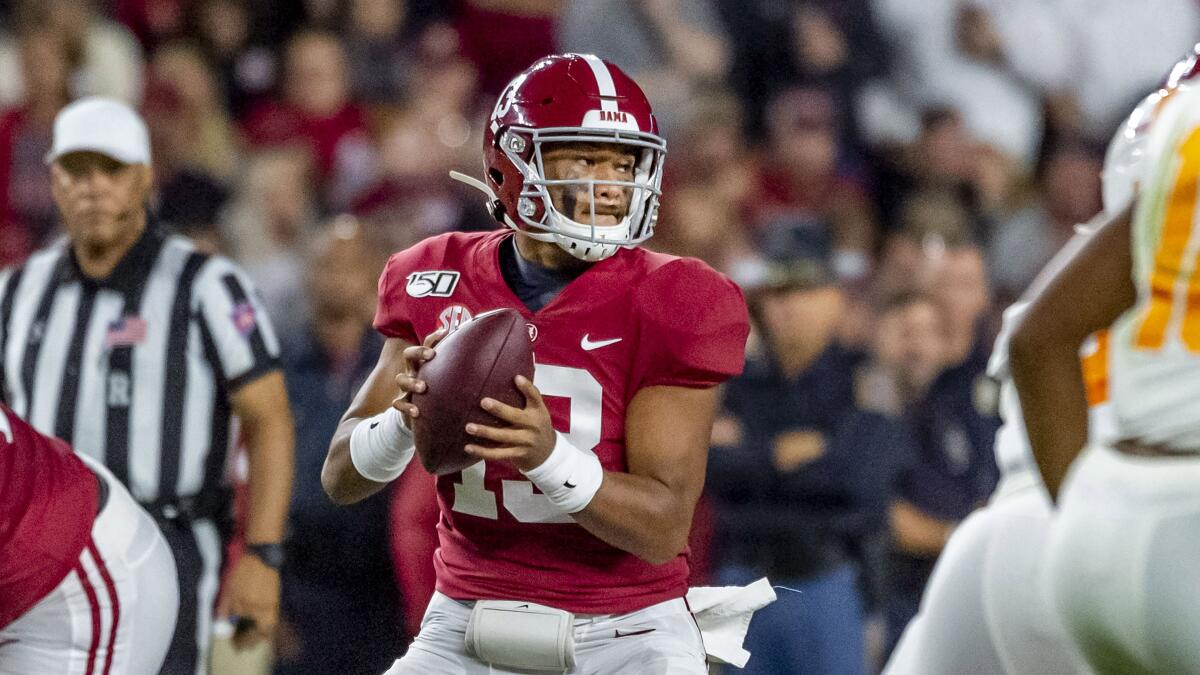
(637, 319)
(48, 502)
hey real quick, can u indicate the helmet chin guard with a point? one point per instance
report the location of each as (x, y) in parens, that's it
(588, 240)
(571, 98)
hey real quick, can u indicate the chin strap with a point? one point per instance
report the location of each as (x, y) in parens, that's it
(493, 203)
(478, 185)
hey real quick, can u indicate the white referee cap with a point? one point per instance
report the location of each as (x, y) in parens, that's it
(102, 125)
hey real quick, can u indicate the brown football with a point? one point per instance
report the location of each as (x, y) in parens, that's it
(479, 359)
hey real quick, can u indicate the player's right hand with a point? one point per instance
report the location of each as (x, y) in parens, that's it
(413, 358)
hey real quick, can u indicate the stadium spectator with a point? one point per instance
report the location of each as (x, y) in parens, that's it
(699, 223)
(107, 58)
(1069, 195)
(379, 55)
(317, 110)
(248, 69)
(956, 278)
(413, 199)
(26, 205)
(950, 421)
(270, 221)
(337, 563)
(942, 59)
(793, 492)
(153, 22)
(420, 141)
(188, 121)
(501, 37)
(806, 175)
(671, 47)
(710, 150)
(906, 349)
(1092, 59)
(835, 46)
(945, 164)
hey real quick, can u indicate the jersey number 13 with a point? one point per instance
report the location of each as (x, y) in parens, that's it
(585, 395)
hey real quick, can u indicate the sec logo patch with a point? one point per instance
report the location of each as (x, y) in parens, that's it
(454, 316)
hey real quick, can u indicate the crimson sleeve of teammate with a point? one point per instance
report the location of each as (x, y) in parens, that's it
(391, 312)
(694, 326)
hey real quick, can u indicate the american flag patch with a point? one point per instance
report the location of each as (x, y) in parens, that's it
(243, 318)
(125, 332)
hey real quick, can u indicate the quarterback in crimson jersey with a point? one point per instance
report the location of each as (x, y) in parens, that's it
(580, 511)
(87, 583)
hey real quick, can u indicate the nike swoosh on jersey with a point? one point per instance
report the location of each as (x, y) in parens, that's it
(588, 345)
(632, 633)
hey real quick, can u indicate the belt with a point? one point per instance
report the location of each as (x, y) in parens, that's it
(1141, 449)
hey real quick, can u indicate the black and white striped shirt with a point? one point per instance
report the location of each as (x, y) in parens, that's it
(135, 370)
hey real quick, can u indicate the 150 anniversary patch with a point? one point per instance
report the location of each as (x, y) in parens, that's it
(436, 283)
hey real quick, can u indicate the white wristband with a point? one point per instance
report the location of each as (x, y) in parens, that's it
(570, 477)
(381, 446)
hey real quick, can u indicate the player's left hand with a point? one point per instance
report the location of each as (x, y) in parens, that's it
(529, 437)
(252, 593)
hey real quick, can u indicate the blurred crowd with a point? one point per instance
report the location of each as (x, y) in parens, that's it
(880, 176)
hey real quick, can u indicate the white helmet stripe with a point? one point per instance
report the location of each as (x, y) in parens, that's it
(604, 82)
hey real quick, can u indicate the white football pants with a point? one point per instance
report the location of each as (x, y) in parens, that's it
(1124, 561)
(668, 641)
(114, 613)
(987, 608)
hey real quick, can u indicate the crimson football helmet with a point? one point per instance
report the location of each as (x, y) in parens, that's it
(1123, 158)
(560, 99)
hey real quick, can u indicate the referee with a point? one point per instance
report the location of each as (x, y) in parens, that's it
(140, 351)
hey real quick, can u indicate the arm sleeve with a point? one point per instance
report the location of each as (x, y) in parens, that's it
(391, 312)
(694, 323)
(238, 334)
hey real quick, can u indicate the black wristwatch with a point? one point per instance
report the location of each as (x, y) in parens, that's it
(271, 555)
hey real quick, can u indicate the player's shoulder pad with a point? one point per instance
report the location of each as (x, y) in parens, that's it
(687, 292)
(435, 264)
(444, 251)
(1172, 127)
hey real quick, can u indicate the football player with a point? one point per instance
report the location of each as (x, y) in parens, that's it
(87, 581)
(1121, 550)
(567, 543)
(986, 608)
